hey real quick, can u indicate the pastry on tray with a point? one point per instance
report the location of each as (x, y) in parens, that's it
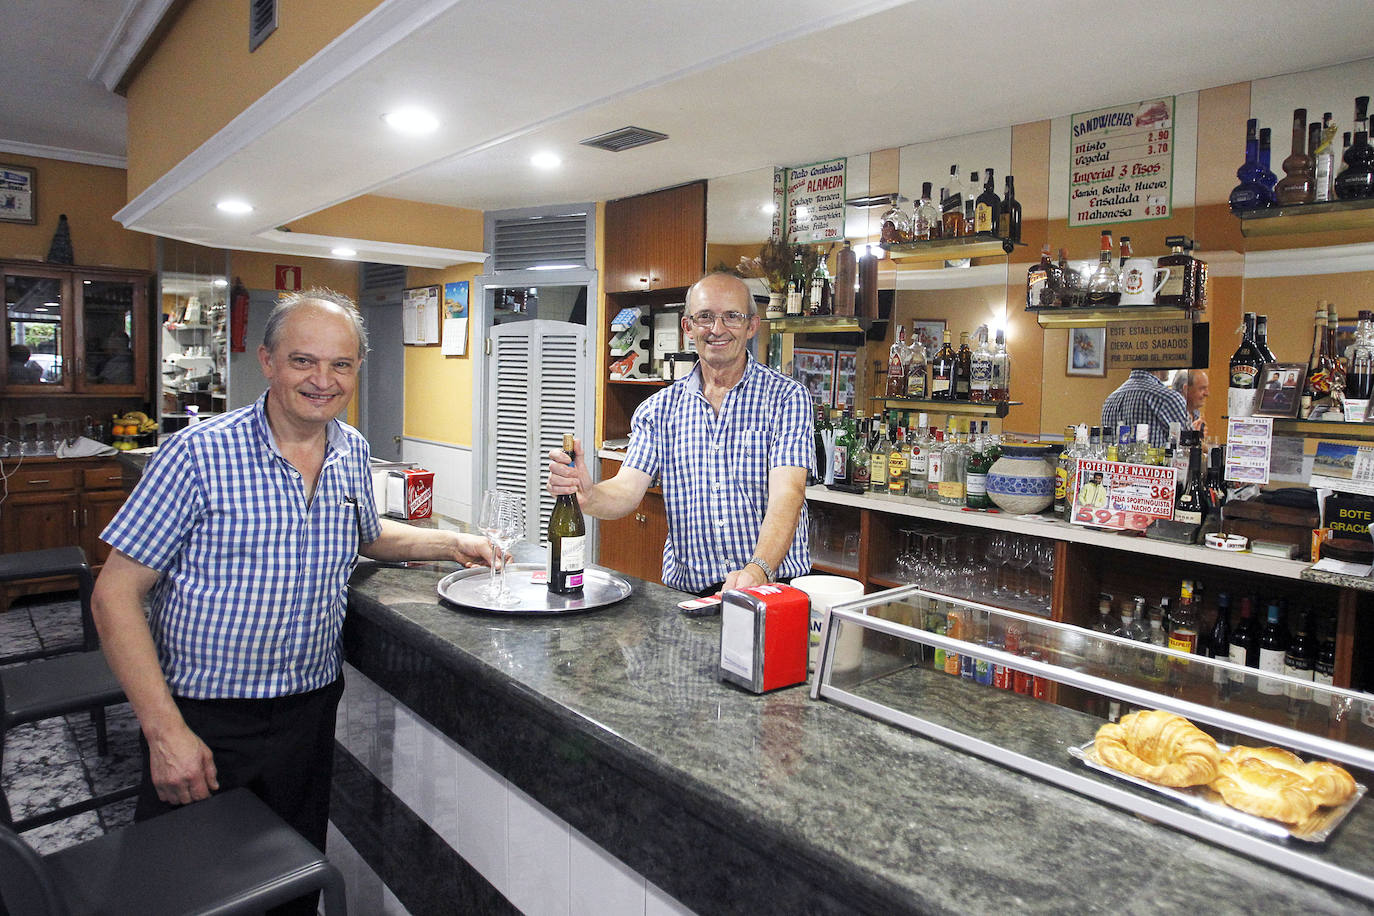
(1160, 747)
(1274, 783)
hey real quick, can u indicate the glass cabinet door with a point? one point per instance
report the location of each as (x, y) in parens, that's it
(37, 329)
(112, 332)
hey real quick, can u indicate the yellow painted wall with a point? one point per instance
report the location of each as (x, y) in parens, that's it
(404, 222)
(185, 92)
(439, 389)
(89, 195)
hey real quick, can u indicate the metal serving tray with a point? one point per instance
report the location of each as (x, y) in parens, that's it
(464, 588)
(1316, 829)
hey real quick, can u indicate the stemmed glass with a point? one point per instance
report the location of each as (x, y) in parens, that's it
(1044, 565)
(503, 522)
(999, 551)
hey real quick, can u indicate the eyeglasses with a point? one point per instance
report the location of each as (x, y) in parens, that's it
(732, 320)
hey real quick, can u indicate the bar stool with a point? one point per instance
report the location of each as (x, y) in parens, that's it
(228, 854)
(43, 564)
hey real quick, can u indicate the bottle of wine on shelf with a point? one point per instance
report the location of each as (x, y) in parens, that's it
(1244, 374)
(1242, 635)
(567, 540)
(942, 372)
(1356, 179)
(1250, 194)
(1295, 187)
(1010, 216)
(1190, 505)
(1273, 647)
(1301, 657)
(1324, 668)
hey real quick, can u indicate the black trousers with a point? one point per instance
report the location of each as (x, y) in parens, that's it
(281, 749)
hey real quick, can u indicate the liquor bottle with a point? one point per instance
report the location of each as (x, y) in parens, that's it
(846, 276)
(877, 460)
(895, 225)
(1125, 255)
(1219, 640)
(860, 458)
(1251, 193)
(1066, 472)
(980, 369)
(1337, 361)
(1009, 225)
(952, 205)
(917, 385)
(1324, 668)
(1244, 372)
(919, 444)
(866, 303)
(822, 290)
(897, 464)
(1301, 658)
(1000, 388)
(976, 476)
(1241, 639)
(1262, 339)
(1295, 187)
(1267, 176)
(1070, 280)
(1324, 162)
(1356, 179)
(942, 372)
(953, 467)
(987, 210)
(1359, 376)
(898, 358)
(963, 368)
(796, 287)
(1180, 290)
(844, 443)
(821, 426)
(1133, 618)
(567, 540)
(1103, 285)
(926, 215)
(1037, 279)
(1317, 387)
(1184, 621)
(935, 464)
(1273, 646)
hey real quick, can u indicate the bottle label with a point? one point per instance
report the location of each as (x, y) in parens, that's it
(976, 484)
(1323, 680)
(939, 385)
(982, 218)
(953, 490)
(860, 476)
(841, 463)
(896, 471)
(916, 465)
(916, 383)
(1035, 284)
(1173, 286)
(1061, 484)
(574, 555)
(933, 468)
(1270, 662)
(1187, 516)
(877, 469)
(1293, 690)
(1183, 639)
(1236, 654)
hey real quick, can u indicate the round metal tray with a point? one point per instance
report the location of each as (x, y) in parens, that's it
(464, 588)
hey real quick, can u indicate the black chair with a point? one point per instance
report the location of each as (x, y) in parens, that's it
(59, 685)
(43, 564)
(228, 854)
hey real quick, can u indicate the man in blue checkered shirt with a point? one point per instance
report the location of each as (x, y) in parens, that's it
(731, 445)
(242, 535)
(1144, 398)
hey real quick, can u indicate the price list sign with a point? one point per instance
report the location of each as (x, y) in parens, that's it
(815, 202)
(1122, 164)
(1110, 494)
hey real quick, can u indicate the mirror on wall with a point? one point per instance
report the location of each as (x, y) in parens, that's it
(193, 318)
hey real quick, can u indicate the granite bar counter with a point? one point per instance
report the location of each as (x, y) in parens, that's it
(616, 723)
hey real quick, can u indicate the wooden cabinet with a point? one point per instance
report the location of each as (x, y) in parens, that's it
(85, 331)
(657, 240)
(55, 502)
(633, 545)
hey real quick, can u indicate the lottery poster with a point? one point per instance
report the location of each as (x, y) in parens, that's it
(1111, 494)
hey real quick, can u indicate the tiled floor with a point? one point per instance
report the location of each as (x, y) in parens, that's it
(54, 762)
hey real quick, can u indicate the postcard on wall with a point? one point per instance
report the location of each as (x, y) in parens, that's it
(420, 316)
(456, 319)
(1249, 444)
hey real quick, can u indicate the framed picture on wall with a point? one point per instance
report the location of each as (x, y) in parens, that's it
(1087, 352)
(846, 377)
(815, 369)
(1280, 389)
(930, 334)
(18, 194)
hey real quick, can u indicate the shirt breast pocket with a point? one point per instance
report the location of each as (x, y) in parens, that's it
(749, 460)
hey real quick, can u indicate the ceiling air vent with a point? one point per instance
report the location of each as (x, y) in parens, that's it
(617, 141)
(262, 22)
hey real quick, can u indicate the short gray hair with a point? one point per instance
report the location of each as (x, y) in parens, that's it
(313, 296)
(714, 275)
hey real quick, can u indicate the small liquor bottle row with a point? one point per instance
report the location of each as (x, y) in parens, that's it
(1177, 279)
(1336, 381)
(963, 209)
(1313, 172)
(966, 374)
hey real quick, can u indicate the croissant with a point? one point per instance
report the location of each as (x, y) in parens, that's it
(1159, 747)
(1249, 784)
(1327, 783)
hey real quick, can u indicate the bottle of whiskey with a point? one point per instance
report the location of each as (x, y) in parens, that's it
(1009, 226)
(1356, 179)
(926, 215)
(898, 357)
(1244, 372)
(1250, 194)
(942, 372)
(878, 459)
(987, 211)
(1295, 187)
(1038, 278)
(1181, 289)
(963, 369)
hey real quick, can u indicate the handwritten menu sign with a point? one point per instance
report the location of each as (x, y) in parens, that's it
(1122, 164)
(1111, 494)
(815, 202)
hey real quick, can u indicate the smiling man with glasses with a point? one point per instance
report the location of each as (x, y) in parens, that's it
(731, 444)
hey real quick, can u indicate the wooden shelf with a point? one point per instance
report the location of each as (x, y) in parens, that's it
(1322, 217)
(821, 324)
(1054, 317)
(961, 408)
(982, 245)
(1326, 429)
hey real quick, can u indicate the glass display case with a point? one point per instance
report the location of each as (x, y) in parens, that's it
(1031, 694)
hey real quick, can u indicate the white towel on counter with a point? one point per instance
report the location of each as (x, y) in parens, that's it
(81, 447)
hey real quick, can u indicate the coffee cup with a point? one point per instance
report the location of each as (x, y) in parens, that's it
(825, 592)
(1141, 281)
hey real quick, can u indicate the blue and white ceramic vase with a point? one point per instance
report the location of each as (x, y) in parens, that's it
(1022, 480)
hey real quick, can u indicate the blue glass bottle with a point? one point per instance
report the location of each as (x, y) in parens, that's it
(1251, 193)
(1268, 178)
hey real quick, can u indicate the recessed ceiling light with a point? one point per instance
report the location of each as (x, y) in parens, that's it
(234, 206)
(412, 121)
(220, 283)
(545, 161)
(342, 252)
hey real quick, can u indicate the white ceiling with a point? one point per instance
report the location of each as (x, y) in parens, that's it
(736, 85)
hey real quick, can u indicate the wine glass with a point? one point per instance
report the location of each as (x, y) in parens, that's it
(1044, 565)
(503, 523)
(999, 551)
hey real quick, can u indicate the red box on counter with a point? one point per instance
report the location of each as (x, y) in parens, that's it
(410, 493)
(764, 632)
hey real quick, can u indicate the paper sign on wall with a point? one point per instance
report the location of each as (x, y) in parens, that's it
(420, 316)
(456, 318)
(1162, 344)
(815, 202)
(1121, 165)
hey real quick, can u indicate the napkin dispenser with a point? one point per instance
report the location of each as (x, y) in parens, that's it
(763, 637)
